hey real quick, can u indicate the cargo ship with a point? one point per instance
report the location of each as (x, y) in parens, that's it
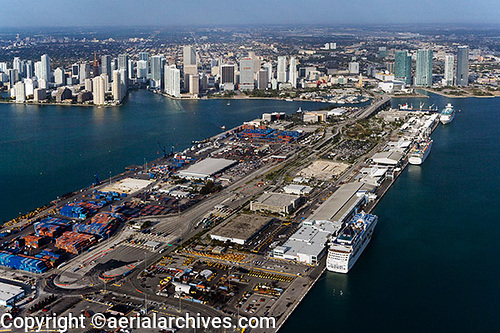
(346, 248)
(447, 115)
(420, 151)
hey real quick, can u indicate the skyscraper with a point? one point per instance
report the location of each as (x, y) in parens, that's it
(449, 62)
(463, 66)
(423, 72)
(84, 71)
(281, 69)
(173, 81)
(402, 67)
(45, 69)
(122, 61)
(116, 88)
(262, 79)
(156, 68)
(194, 84)
(20, 92)
(142, 69)
(189, 56)
(354, 67)
(17, 64)
(292, 73)
(228, 79)
(59, 77)
(130, 69)
(106, 65)
(247, 74)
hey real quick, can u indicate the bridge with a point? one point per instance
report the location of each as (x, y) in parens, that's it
(378, 105)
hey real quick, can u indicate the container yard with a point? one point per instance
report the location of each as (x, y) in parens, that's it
(74, 242)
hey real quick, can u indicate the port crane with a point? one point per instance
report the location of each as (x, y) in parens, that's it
(164, 150)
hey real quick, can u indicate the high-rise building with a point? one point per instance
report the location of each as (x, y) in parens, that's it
(29, 86)
(106, 65)
(247, 74)
(122, 61)
(28, 69)
(281, 69)
(144, 56)
(13, 77)
(142, 69)
(98, 90)
(173, 81)
(156, 69)
(227, 73)
(449, 62)
(130, 69)
(423, 72)
(189, 56)
(269, 68)
(45, 69)
(194, 84)
(354, 67)
(402, 66)
(17, 64)
(292, 73)
(116, 88)
(88, 84)
(262, 79)
(20, 92)
(3, 67)
(463, 66)
(85, 70)
(59, 77)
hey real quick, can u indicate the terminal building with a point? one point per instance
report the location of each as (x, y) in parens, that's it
(308, 244)
(10, 293)
(240, 229)
(206, 168)
(297, 189)
(280, 203)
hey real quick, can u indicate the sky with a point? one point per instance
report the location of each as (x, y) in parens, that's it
(21, 13)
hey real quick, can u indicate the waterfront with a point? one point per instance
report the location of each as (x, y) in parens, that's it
(51, 150)
(431, 265)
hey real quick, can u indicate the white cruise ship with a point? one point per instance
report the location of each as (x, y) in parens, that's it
(420, 151)
(447, 115)
(347, 247)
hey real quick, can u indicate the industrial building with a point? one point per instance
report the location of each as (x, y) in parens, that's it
(9, 294)
(343, 203)
(297, 189)
(280, 203)
(308, 244)
(206, 168)
(240, 229)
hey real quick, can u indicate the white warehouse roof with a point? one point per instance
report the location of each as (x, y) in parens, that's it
(206, 168)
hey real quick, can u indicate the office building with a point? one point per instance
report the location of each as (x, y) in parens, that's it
(247, 74)
(29, 86)
(85, 70)
(262, 79)
(29, 69)
(106, 65)
(88, 84)
(423, 72)
(402, 67)
(13, 77)
(116, 87)
(189, 56)
(449, 63)
(281, 69)
(130, 69)
(228, 74)
(292, 72)
(463, 66)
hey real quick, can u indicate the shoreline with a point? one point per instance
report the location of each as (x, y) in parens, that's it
(456, 96)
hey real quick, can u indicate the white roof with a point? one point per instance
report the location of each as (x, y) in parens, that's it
(207, 167)
(387, 157)
(8, 291)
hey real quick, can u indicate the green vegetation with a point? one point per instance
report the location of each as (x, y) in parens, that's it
(210, 187)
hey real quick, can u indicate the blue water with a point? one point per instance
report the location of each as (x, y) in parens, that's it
(433, 264)
(51, 150)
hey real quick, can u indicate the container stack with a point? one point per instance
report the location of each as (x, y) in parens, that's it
(49, 257)
(34, 242)
(24, 263)
(74, 242)
(102, 224)
(51, 227)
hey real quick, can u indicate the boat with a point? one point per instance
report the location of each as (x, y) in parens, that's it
(447, 115)
(420, 151)
(345, 249)
(228, 103)
(299, 110)
(223, 127)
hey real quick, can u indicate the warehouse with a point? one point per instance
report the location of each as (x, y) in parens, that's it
(297, 189)
(275, 203)
(206, 168)
(343, 203)
(387, 158)
(240, 229)
(9, 294)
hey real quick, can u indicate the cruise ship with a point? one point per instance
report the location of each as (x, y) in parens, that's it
(420, 151)
(347, 247)
(447, 115)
